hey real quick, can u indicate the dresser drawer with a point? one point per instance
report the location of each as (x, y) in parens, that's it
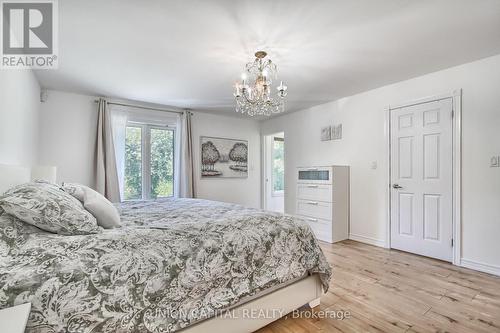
(315, 175)
(322, 229)
(317, 209)
(314, 192)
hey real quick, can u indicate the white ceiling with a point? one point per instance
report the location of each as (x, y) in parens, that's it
(190, 53)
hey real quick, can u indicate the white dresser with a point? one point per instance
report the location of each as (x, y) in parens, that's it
(323, 201)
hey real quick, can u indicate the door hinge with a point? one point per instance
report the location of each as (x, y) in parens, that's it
(452, 242)
(452, 113)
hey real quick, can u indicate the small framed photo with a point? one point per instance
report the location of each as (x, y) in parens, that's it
(336, 132)
(326, 133)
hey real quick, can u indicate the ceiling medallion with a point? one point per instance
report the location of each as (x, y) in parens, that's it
(253, 93)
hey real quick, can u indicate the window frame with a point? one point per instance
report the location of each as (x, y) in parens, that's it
(274, 193)
(146, 156)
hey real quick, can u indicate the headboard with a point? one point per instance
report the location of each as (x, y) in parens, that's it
(11, 175)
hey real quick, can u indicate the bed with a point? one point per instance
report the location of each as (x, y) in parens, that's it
(175, 265)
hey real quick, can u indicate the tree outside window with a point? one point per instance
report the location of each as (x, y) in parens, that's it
(278, 165)
(133, 163)
(149, 162)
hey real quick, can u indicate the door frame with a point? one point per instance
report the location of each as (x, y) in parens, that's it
(456, 96)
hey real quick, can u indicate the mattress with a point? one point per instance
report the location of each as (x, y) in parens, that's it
(174, 262)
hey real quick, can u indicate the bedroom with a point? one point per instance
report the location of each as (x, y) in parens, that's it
(363, 195)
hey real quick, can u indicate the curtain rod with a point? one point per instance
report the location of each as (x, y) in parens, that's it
(142, 107)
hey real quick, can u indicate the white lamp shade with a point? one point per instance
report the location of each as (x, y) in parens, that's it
(47, 173)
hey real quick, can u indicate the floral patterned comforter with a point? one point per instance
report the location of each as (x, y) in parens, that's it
(172, 263)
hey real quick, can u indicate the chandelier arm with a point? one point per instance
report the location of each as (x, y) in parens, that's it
(249, 100)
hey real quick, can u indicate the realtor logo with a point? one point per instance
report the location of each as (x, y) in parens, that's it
(29, 34)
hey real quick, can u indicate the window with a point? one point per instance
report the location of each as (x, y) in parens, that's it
(149, 161)
(278, 175)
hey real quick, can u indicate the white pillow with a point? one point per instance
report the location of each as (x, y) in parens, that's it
(76, 190)
(95, 203)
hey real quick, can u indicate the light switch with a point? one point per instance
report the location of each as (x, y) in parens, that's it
(374, 165)
(495, 162)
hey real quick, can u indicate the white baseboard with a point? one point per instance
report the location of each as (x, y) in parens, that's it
(479, 266)
(467, 263)
(367, 240)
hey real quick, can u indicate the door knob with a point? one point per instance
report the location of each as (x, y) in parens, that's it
(396, 186)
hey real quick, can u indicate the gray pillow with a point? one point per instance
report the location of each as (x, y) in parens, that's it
(48, 207)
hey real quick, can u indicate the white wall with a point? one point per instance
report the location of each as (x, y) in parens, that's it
(363, 122)
(67, 140)
(245, 191)
(19, 109)
(68, 125)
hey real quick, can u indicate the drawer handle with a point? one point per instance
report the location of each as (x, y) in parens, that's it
(312, 186)
(315, 203)
(312, 220)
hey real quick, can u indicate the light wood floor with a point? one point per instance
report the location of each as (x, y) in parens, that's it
(393, 291)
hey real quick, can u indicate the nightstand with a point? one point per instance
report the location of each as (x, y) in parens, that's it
(14, 319)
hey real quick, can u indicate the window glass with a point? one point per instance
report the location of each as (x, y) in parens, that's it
(133, 163)
(162, 163)
(278, 165)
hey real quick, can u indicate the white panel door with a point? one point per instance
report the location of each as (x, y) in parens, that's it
(421, 179)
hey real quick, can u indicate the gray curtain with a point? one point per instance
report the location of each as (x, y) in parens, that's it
(187, 188)
(106, 173)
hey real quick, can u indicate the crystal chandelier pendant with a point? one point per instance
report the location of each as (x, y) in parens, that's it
(253, 94)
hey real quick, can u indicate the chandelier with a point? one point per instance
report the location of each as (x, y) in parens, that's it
(253, 95)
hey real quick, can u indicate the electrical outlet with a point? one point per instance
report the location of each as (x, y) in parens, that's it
(495, 162)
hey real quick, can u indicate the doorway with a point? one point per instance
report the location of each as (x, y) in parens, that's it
(423, 169)
(274, 172)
